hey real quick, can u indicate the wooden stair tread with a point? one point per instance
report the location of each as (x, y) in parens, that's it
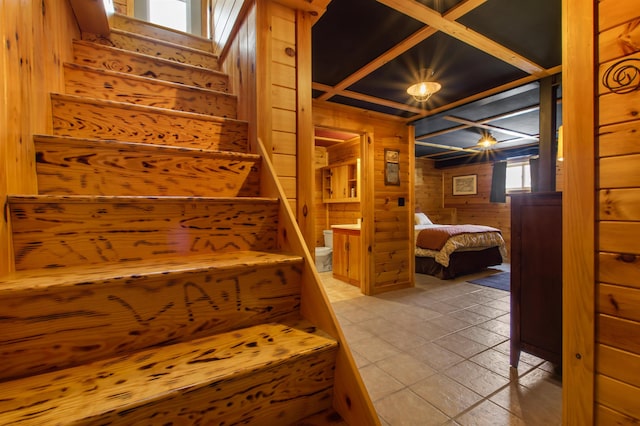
(165, 43)
(132, 199)
(121, 21)
(147, 147)
(50, 278)
(149, 80)
(158, 59)
(143, 108)
(123, 87)
(118, 386)
(137, 63)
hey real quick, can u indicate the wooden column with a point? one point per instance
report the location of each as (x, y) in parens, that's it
(578, 221)
(548, 140)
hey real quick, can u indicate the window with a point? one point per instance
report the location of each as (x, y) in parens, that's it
(182, 15)
(518, 176)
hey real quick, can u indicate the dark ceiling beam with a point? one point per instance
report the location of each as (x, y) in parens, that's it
(486, 93)
(426, 15)
(489, 127)
(447, 147)
(408, 43)
(483, 121)
(370, 99)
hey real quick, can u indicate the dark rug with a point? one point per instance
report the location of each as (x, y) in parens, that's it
(500, 281)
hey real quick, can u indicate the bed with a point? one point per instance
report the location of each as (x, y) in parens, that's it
(448, 251)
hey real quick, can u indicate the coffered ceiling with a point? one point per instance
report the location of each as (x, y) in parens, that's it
(488, 55)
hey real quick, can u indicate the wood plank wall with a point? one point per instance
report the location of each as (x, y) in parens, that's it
(617, 381)
(389, 242)
(37, 40)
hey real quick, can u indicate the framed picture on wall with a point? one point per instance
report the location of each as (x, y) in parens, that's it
(391, 167)
(465, 185)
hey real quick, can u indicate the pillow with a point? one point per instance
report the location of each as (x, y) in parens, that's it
(422, 219)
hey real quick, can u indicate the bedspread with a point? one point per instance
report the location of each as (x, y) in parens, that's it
(462, 242)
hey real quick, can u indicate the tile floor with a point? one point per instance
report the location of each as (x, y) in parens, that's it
(438, 354)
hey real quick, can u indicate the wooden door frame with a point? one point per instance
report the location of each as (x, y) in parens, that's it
(579, 62)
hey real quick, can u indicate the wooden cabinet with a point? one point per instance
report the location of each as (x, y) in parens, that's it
(341, 183)
(536, 276)
(347, 255)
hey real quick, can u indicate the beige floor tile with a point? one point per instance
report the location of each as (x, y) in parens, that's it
(505, 305)
(374, 349)
(406, 369)
(378, 382)
(410, 377)
(489, 414)
(449, 323)
(435, 356)
(358, 315)
(447, 395)
(359, 359)
(461, 345)
(469, 316)
(536, 406)
(426, 330)
(496, 326)
(405, 408)
(482, 335)
(354, 332)
(477, 378)
(487, 311)
(401, 338)
(498, 362)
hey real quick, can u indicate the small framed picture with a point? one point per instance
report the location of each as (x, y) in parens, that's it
(391, 167)
(465, 185)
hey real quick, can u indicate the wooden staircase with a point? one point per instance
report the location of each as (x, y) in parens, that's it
(150, 283)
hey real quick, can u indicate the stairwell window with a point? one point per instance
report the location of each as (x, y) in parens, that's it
(181, 15)
(518, 176)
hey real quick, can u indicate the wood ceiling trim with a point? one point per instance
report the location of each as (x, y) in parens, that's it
(413, 40)
(369, 99)
(489, 127)
(483, 121)
(424, 14)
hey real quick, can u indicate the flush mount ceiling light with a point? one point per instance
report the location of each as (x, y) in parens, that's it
(487, 140)
(423, 90)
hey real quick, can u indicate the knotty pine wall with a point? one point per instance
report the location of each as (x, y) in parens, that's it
(617, 380)
(37, 39)
(388, 242)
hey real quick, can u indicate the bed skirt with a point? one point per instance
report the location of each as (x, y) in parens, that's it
(460, 263)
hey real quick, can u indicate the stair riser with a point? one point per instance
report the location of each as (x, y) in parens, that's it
(47, 234)
(124, 88)
(44, 330)
(105, 169)
(156, 48)
(279, 396)
(140, 27)
(99, 56)
(105, 121)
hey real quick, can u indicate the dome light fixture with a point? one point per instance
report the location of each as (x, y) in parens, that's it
(487, 140)
(423, 90)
